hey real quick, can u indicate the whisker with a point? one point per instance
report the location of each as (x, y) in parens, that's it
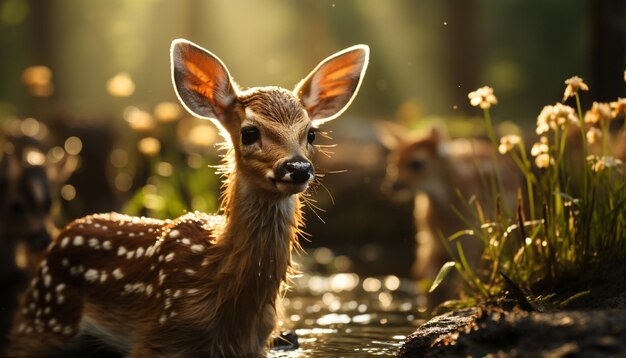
(311, 206)
(328, 171)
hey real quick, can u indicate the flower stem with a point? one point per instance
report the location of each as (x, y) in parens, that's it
(584, 144)
(492, 137)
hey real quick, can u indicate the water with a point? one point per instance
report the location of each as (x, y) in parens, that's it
(344, 315)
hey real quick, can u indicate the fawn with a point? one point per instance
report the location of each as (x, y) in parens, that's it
(198, 285)
(433, 170)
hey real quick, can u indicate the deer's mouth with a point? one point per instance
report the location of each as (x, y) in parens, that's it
(289, 186)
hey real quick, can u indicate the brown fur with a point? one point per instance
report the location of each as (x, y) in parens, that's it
(199, 285)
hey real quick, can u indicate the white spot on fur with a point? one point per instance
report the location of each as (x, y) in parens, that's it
(60, 299)
(65, 241)
(191, 291)
(190, 272)
(106, 245)
(78, 240)
(174, 234)
(150, 251)
(47, 279)
(46, 311)
(91, 275)
(130, 254)
(148, 290)
(186, 241)
(103, 277)
(138, 287)
(65, 262)
(121, 251)
(162, 319)
(93, 242)
(60, 287)
(118, 274)
(197, 248)
(139, 252)
(169, 257)
(177, 293)
(48, 297)
(67, 330)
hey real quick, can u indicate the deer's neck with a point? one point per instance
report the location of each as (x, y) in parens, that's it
(258, 235)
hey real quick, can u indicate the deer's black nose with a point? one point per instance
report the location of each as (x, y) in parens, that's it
(298, 169)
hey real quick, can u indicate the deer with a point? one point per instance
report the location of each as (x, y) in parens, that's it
(28, 202)
(441, 176)
(198, 285)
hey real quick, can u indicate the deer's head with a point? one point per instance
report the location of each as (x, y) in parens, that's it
(415, 162)
(270, 129)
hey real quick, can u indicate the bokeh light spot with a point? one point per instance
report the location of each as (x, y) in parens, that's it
(149, 146)
(68, 192)
(73, 145)
(121, 85)
(167, 111)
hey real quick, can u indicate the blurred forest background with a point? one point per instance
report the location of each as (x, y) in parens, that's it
(98, 72)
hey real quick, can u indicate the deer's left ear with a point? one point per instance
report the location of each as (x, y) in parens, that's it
(328, 90)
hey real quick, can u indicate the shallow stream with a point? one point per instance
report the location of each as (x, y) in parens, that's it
(345, 315)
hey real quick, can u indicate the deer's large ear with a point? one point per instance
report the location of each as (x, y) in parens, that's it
(328, 90)
(201, 80)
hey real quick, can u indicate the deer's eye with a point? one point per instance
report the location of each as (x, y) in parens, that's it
(310, 137)
(249, 135)
(417, 165)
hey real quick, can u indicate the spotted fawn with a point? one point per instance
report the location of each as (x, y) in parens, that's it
(199, 285)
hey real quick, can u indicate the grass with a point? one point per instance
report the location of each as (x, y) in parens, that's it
(570, 221)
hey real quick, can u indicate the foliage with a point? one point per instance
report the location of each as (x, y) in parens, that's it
(571, 216)
(180, 177)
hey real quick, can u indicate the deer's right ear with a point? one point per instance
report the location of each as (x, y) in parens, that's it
(201, 80)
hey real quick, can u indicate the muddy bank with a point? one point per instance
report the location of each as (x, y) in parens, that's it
(493, 331)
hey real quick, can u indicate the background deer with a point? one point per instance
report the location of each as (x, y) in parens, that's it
(432, 170)
(28, 196)
(198, 285)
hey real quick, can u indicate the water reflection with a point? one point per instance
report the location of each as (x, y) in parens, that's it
(345, 315)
